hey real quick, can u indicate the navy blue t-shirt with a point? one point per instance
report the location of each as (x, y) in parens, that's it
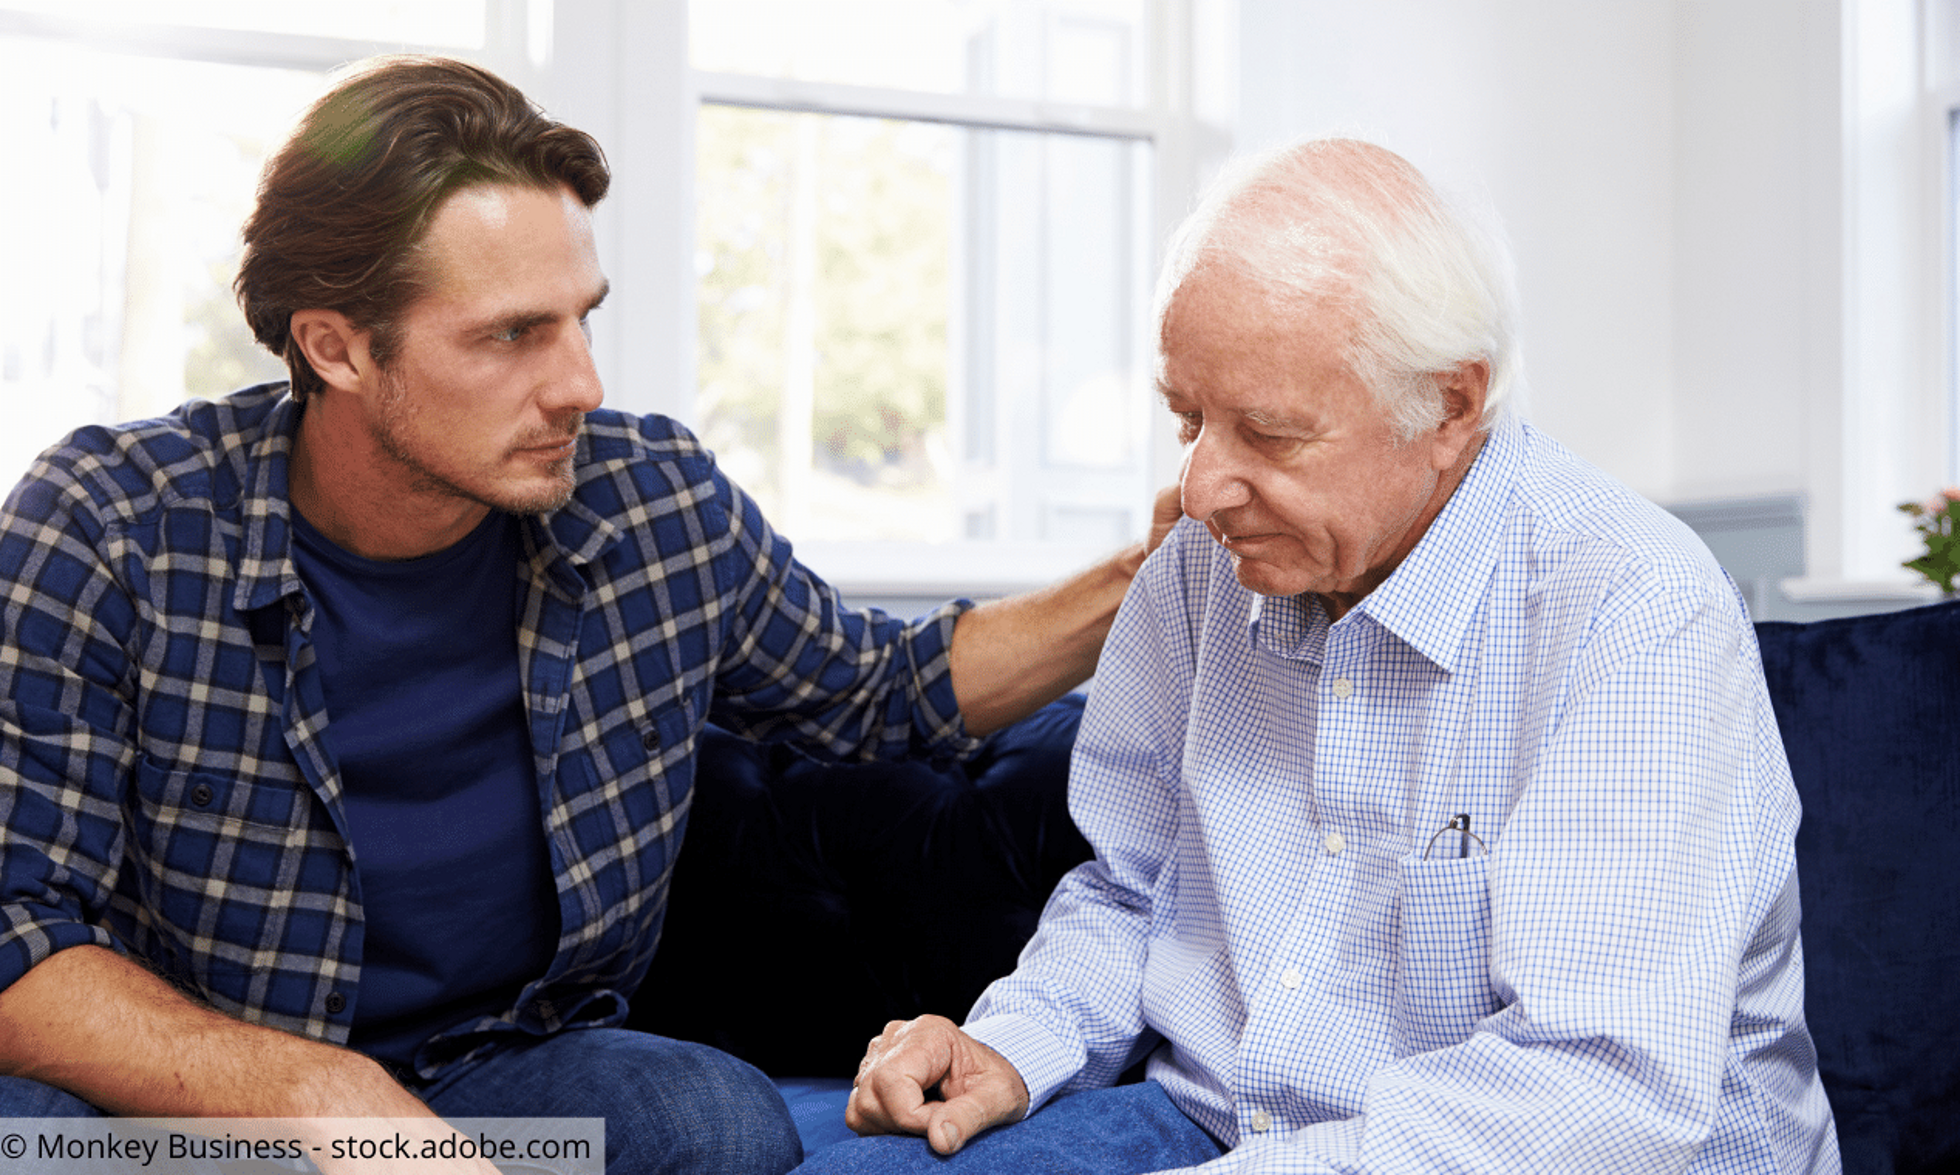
(418, 661)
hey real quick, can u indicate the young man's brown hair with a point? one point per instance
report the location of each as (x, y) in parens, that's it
(344, 202)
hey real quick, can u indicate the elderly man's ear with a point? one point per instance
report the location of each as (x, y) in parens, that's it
(1463, 392)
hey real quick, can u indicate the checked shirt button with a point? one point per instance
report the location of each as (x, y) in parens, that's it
(1261, 1121)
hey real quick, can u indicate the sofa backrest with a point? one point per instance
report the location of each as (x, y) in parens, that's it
(1869, 707)
(812, 902)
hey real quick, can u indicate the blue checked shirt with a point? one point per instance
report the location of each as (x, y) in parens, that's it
(167, 776)
(1617, 986)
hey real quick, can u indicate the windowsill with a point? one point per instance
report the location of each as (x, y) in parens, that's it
(979, 570)
(1809, 590)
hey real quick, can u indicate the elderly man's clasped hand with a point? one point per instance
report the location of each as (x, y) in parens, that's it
(928, 1077)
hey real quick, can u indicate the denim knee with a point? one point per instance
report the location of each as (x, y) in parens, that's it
(742, 1124)
(669, 1106)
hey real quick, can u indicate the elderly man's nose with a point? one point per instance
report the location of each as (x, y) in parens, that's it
(1209, 482)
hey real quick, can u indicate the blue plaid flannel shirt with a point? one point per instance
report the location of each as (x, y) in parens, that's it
(167, 780)
(1616, 986)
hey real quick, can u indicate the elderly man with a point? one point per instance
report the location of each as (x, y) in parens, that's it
(347, 726)
(1441, 821)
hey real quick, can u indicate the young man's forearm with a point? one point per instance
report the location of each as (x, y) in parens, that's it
(1011, 657)
(88, 1021)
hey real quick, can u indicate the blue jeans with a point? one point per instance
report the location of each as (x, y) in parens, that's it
(669, 1106)
(22, 1098)
(1123, 1130)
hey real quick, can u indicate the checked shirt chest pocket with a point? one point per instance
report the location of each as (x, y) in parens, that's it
(193, 825)
(223, 862)
(1444, 989)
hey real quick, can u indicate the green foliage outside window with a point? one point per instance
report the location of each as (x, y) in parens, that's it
(877, 198)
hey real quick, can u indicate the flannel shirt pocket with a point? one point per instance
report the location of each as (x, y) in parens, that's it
(218, 859)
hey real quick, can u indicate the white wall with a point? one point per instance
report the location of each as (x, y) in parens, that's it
(1758, 336)
(1561, 115)
(1726, 215)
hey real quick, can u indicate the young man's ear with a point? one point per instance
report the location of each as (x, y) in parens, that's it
(335, 347)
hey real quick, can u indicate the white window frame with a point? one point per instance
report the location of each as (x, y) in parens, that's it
(515, 44)
(619, 69)
(516, 40)
(635, 89)
(1882, 432)
(1942, 24)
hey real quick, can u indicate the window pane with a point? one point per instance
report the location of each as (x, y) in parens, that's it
(122, 249)
(1080, 51)
(454, 23)
(916, 332)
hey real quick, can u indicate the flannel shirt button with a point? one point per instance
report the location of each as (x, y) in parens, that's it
(201, 795)
(336, 1003)
(547, 1010)
(1261, 1121)
(650, 739)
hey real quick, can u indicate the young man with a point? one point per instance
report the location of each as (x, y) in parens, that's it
(347, 726)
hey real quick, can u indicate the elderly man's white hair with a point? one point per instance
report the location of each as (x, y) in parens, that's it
(1343, 226)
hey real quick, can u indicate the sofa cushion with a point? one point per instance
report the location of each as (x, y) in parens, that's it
(1869, 707)
(814, 902)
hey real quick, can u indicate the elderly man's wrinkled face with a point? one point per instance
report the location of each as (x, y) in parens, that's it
(1288, 460)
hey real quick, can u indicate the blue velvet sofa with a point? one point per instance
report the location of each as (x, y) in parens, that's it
(812, 903)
